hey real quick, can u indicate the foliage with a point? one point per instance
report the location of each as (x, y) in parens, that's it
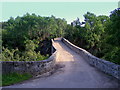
(26, 37)
(28, 55)
(13, 78)
(100, 35)
(22, 37)
(113, 39)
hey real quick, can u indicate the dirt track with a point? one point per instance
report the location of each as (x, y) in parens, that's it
(75, 73)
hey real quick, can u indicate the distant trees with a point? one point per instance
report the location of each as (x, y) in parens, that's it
(76, 22)
(112, 51)
(26, 37)
(95, 32)
(100, 36)
(27, 33)
(115, 27)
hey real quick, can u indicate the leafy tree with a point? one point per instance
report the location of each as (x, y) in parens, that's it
(112, 52)
(27, 33)
(114, 31)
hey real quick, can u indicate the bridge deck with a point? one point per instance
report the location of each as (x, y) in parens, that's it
(77, 73)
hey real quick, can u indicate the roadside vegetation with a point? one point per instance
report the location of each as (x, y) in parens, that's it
(27, 38)
(13, 78)
(100, 35)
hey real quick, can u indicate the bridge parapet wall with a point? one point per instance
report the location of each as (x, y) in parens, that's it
(33, 67)
(103, 65)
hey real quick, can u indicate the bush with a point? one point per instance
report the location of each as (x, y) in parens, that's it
(28, 55)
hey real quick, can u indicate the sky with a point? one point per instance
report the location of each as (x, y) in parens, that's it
(67, 10)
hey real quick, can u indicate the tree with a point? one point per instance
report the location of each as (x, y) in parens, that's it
(114, 31)
(28, 31)
(113, 45)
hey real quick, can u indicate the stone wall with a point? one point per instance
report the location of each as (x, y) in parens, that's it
(33, 67)
(105, 66)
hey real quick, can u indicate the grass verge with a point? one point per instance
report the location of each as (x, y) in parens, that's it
(12, 78)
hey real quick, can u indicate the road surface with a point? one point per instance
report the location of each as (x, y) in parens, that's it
(75, 73)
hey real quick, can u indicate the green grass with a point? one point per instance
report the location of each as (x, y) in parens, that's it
(13, 78)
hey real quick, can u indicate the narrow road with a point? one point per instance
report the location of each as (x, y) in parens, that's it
(75, 73)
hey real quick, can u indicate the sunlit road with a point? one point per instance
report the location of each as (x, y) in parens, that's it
(76, 73)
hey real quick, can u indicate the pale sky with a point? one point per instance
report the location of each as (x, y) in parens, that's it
(68, 10)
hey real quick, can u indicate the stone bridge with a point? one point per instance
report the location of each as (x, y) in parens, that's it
(72, 71)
